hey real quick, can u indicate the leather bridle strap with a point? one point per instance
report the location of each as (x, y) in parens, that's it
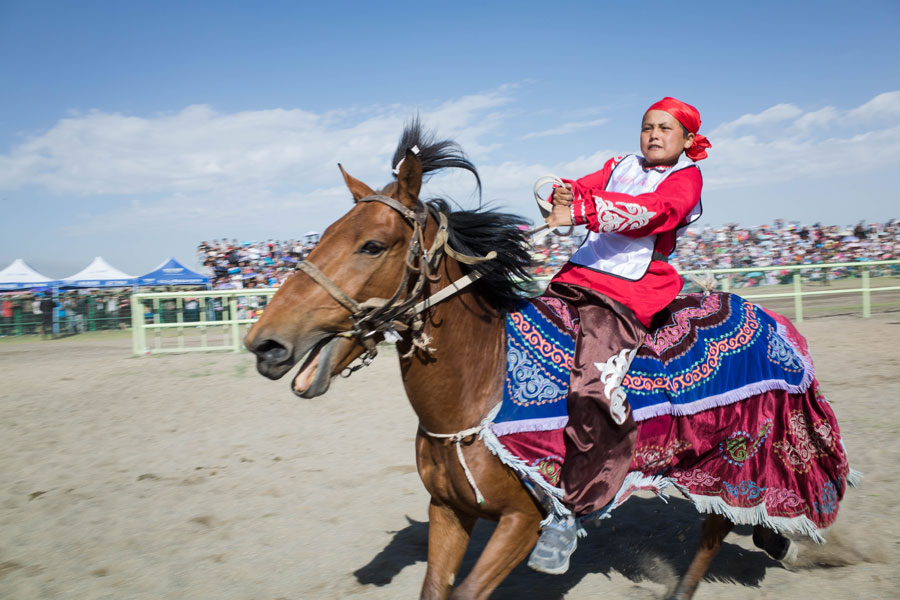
(410, 215)
(329, 286)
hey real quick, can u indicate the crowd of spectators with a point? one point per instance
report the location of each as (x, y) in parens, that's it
(234, 265)
(733, 246)
(784, 243)
(76, 312)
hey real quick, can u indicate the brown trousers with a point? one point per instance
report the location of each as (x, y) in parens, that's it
(598, 450)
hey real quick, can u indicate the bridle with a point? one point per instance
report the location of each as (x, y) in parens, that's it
(387, 316)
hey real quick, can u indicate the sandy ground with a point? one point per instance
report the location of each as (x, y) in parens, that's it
(192, 477)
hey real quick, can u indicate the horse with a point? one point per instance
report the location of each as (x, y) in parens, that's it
(397, 268)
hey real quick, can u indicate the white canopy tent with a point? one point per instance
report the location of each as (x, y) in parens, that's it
(20, 276)
(99, 274)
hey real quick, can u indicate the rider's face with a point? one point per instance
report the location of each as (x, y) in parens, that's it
(662, 138)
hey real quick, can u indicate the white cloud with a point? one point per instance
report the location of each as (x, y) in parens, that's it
(819, 118)
(567, 128)
(199, 163)
(785, 143)
(885, 105)
(200, 150)
(203, 165)
(771, 116)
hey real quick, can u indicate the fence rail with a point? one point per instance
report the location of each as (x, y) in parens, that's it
(161, 320)
(215, 315)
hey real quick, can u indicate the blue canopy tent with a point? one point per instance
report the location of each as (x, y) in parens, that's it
(172, 272)
(19, 276)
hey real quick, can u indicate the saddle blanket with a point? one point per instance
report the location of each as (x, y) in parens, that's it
(726, 402)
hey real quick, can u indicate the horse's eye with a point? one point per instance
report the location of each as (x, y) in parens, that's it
(372, 248)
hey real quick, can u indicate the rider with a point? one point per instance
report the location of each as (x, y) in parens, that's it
(634, 208)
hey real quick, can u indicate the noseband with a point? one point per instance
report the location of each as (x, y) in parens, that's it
(387, 316)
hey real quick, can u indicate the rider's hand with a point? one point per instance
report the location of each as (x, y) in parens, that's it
(560, 217)
(563, 195)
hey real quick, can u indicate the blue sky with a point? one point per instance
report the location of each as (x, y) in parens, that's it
(136, 130)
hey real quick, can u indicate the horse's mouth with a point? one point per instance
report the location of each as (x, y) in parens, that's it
(314, 375)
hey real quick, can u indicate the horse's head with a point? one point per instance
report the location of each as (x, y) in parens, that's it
(372, 267)
(361, 256)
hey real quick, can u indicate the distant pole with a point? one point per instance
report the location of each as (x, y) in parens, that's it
(866, 294)
(798, 298)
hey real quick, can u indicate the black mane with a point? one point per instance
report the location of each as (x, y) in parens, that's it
(475, 232)
(434, 155)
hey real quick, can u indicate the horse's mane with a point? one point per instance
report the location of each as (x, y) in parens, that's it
(475, 232)
(433, 154)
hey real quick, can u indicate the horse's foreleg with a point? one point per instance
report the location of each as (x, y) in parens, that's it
(448, 536)
(512, 540)
(715, 528)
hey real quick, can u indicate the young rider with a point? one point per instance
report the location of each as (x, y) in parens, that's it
(635, 208)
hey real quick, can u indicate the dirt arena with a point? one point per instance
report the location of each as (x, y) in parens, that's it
(191, 476)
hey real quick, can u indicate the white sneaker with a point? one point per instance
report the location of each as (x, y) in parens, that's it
(558, 541)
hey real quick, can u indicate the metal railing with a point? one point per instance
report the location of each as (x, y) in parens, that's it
(161, 320)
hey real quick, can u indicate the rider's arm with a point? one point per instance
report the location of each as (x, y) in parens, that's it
(636, 216)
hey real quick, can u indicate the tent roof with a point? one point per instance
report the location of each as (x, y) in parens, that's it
(172, 272)
(19, 275)
(99, 274)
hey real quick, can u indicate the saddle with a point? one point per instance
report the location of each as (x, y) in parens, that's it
(727, 405)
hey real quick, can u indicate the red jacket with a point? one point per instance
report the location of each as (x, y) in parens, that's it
(672, 201)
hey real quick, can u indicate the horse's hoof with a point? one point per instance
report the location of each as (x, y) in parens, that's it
(790, 554)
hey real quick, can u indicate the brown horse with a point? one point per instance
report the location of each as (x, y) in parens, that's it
(367, 278)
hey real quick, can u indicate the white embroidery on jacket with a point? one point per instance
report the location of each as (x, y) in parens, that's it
(621, 216)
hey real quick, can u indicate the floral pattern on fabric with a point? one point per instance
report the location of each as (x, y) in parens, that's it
(732, 350)
(652, 456)
(804, 442)
(828, 499)
(550, 468)
(740, 445)
(683, 323)
(537, 363)
(781, 354)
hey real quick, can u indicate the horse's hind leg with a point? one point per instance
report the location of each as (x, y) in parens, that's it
(715, 528)
(776, 545)
(448, 536)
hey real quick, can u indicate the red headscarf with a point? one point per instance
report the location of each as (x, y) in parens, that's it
(688, 116)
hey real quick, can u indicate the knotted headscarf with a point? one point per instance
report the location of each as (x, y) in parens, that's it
(688, 116)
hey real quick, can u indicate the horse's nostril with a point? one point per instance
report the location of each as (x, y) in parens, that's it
(272, 351)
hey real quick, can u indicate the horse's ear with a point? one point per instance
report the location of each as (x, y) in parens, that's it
(409, 179)
(356, 187)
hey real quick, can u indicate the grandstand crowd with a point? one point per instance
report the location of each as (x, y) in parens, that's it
(237, 265)
(732, 246)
